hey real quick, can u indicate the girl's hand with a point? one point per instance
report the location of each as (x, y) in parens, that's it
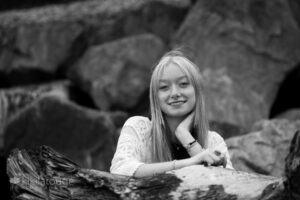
(209, 158)
(185, 126)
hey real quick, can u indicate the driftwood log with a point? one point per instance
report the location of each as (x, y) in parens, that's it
(42, 173)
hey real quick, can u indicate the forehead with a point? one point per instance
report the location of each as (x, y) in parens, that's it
(172, 71)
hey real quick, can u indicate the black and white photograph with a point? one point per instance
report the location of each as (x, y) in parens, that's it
(150, 99)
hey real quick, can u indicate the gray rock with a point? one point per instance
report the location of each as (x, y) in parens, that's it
(118, 118)
(51, 37)
(13, 100)
(81, 134)
(226, 130)
(265, 148)
(117, 74)
(244, 50)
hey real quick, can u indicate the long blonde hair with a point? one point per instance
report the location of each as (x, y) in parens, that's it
(161, 150)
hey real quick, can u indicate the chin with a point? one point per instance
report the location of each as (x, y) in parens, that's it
(178, 114)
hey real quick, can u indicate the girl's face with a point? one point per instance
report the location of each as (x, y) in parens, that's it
(176, 94)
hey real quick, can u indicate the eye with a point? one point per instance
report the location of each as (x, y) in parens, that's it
(184, 84)
(163, 87)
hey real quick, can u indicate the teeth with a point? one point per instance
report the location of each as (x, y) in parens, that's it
(177, 103)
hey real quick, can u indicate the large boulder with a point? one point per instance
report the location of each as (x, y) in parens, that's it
(264, 149)
(117, 74)
(244, 50)
(51, 38)
(13, 100)
(226, 130)
(82, 134)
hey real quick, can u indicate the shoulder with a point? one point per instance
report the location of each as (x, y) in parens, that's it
(214, 138)
(214, 135)
(137, 121)
(140, 124)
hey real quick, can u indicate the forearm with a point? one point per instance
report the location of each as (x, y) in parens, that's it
(185, 138)
(158, 168)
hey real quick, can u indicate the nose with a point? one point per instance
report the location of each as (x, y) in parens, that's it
(175, 93)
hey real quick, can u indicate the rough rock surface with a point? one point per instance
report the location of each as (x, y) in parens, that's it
(244, 49)
(82, 134)
(117, 74)
(265, 148)
(50, 38)
(13, 100)
(226, 130)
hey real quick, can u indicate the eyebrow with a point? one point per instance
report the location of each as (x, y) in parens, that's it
(178, 78)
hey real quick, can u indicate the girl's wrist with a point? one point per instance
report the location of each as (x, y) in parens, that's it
(190, 145)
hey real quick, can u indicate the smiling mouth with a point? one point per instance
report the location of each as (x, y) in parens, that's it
(175, 103)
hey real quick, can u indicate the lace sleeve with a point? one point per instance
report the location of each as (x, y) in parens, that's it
(218, 143)
(129, 150)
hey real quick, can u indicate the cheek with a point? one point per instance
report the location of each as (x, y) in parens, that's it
(161, 97)
(162, 100)
(191, 93)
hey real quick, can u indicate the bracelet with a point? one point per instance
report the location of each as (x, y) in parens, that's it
(190, 145)
(174, 162)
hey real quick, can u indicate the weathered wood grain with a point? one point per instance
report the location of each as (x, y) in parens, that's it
(42, 173)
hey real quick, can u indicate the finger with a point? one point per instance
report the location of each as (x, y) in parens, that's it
(223, 161)
(215, 157)
(210, 161)
(207, 161)
(213, 162)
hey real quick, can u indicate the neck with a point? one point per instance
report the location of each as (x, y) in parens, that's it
(173, 122)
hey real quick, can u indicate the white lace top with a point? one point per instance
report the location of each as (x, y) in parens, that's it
(133, 148)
